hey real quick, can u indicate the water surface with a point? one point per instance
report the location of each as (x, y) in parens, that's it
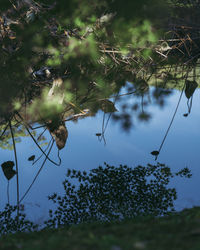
(84, 151)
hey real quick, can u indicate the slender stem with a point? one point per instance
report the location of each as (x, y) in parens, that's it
(35, 161)
(16, 163)
(43, 151)
(142, 103)
(4, 131)
(189, 104)
(57, 164)
(104, 125)
(46, 155)
(58, 153)
(8, 193)
(37, 173)
(102, 129)
(170, 123)
(41, 134)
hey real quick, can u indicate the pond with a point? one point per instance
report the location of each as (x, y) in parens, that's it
(99, 110)
(85, 149)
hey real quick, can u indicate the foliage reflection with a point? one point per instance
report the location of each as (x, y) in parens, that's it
(114, 193)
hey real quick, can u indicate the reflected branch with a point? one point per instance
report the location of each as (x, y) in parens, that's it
(41, 134)
(4, 131)
(104, 125)
(41, 154)
(17, 170)
(170, 124)
(27, 191)
(112, 193)
(57, 164)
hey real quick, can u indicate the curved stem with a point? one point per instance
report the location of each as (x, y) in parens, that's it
(26, 127)
(8, 193)
(35, 161)
(170, 123)
(37, 173)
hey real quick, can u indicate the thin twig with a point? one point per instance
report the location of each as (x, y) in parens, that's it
(4, 130)
(111, 51)
(104, 127)
(41, 154)
(161, 54)
(41, 134)
(37, 173)
(57, 164)
(170, 123)
(129, 93)
(8, 193)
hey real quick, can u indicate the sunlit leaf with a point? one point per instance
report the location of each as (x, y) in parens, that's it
(8, 170)
(59, 133)
(107, 106)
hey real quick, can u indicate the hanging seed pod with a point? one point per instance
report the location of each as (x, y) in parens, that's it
(8, 170)
(59, 132)
(31, 158)
(155, 152)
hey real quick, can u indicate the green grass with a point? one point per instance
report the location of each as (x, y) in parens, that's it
(176, 231)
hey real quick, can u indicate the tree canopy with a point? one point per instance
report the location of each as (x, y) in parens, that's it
(71, 57)
(86, 44)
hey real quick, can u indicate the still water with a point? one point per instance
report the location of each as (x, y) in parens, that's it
(84, 151)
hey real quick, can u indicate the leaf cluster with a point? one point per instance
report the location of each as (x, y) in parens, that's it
(114, 193)
(11, 223)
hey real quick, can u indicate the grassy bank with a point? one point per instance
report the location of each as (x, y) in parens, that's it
(177, 231)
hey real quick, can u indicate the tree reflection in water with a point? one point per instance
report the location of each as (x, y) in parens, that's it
(56, 68)
(114, 193)
(19, 126)
(106, 193)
